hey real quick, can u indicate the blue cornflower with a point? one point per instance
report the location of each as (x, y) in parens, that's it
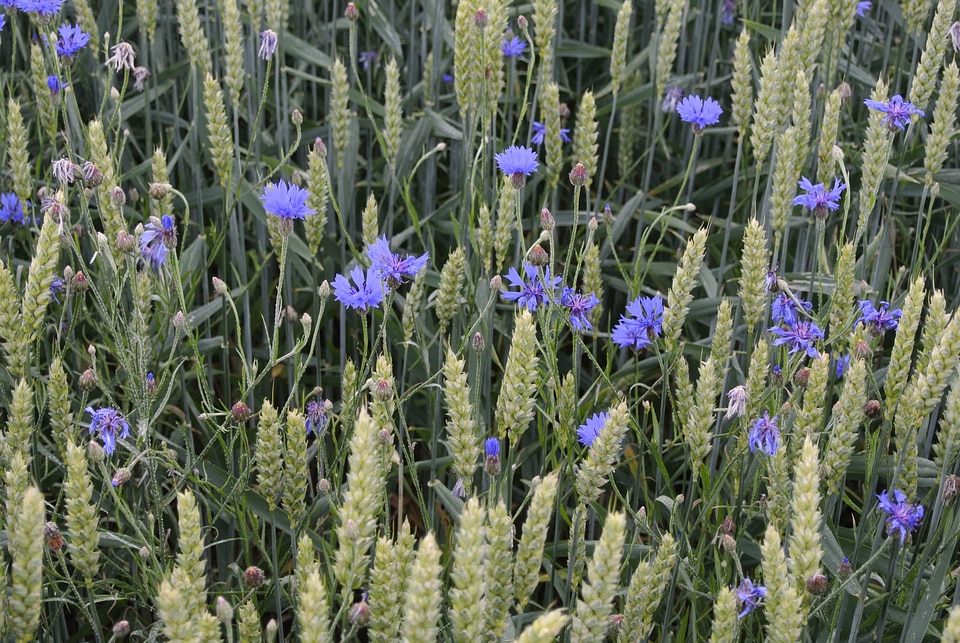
(749, 596)
(817, 199)
(367, 58)
(897, 110)
(3, 21)
(11, 209)
(800, 337)
(390, 267)
(268, 44)
(447, 78)
(536, 290)
(699, 112)
(513, 47)
(589, 430)
(57, 286)
(843, 365)
(517, 162)
(901, 515)
(492, 463)
(880, 319)
(316, 419)
(71, 40)
(580, 306)
(863, 7)
(539, 129)
(40, 7)
(157, 240)
(368, 292)
(55, 85)
(286, 200)
(108, 423)
(645, 324)
(785, 309)
(765, 435)
(729, 12)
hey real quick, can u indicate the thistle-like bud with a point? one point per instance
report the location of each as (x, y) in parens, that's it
(845, 570)
(538, 256)
(125, 243)
(219, 287)
(224, 611)
(88, 380)
(122, 476)
(817, 584)
(359, 614)
(253, 577)
(121, 629)
(296, 118)
(547, 222)
(351, 13)
(481, 19)
(479, 343)
(872, 409)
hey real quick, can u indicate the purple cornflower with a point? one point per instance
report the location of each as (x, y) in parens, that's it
(843, 365)
(513, 46)
(492, 463)
(749, 596)
(286, 200)
(44, 8)
(390, 267)
(589, 430)
(3, 21)
(517, 163)
(539, 129)
(863, 7)
(70, 41)
(645, 324)
(785, 309)
(580, 306)
(699, 112)
(11, 210)
(140, 75)
(536, 290)
(57, 286)
(368, 292)
(367, 58)
(268, 44)
(316, 419)
(447, 78)
(729, 12)
(108, 423)
(880, 319)
(764, 435)
(54, 84)
(157, 239)
(897, 110)
(901, 515)
(800, 337)
(671, 98)
(817, 199)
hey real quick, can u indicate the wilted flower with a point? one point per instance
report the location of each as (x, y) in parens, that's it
(954, 32)
(140, 75)
(736, 402)
(897, 110)
(108, 423)
(699, 112)
(671, 98)
(589, 430)
(902, 516)
(268, 44)
(749, 596)
(122, 58)
(65, 171)
(765, 435)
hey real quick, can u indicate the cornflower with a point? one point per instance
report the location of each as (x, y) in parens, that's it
(580, 306)
(800, 337)
(645, 324)
(368, 292)
(699, 112)
(316, 416)
(11, 210)
(536, 290)
(42, 8)
(517, 162)
(268, 44)
(843, 364)
(589, 430)
(122, 58)
(880, 319)
(65, 171)
(108, 423)
(390, 267)
(954, 32)
(671, 98)
(764, 435)
(70, 41)
(157, 239)
(818, 199)
(54, 84)
(367, 58)
(513, 46)
(785, 309)
(140, 74)
(901, 516)
(539, 129)
(863, 7)
(749, 596)
(729, 12)
(57, 286)
(897, 110)
(492, 463)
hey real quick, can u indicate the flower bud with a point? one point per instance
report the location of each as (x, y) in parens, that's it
(88, 380)
(547, 222)
(359, 614)
(125, 243)
(384, 437)
(224, 611)
(253, 577)
(239, 412)
(801, 377)
(479, 343)
(950, 488)
(179, 320)
(538, 256)
(845, 570)
(579, 175)
(159, 191)
(872, 409)
(320, 147)
(323, 486)
(151, 385)
(296, 118)
(728, 526)
(728, 543)
(351, 531)
(292, 314)
(219, 287)
(270, 631)
(95, 452)
(324, 291)
(118, 196)
(92, 176)
(592, 224)
(134, 195)
(564, 110)
(817, 584)
(80, 283)
(496, 283)
(382, 390)
(121, 629)
(351, 13)
(480, 19)
(122, 476)
(522, 22)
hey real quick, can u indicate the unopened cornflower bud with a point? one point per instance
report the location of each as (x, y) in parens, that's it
(607, 214)
(522, 22)
(359, 613)
(614, 625)
(144, 552)
(296, 118)
(950, 488)
(564, 112)
(776, 376)
(351, 13)
(122, 476)
(480, 19)
(845, 570)
(862, 350)
(219, 287)
(728, 543)
(872, 409)
(592, 224)
(270, 631)
(479, 343)
(382, 390)
(92, 176)
(253, 577)
(54, 539)
(125, 242)
(179, 320)
(384, 437)
(496, 283)
(239, 412)
(307, 322)
(118, 197)
(224, 611)
(320, 147)
(159, 191)
(291, 314)
(268, 44)
(538, 256)
(492, 464)
(817, 584)
(151, 384)
(579, 175)
(80, 283)
(801, 377)
(547, 222)
(351, 531)
(134, 195)
(845, 91)
(323, 291)
(95, 452)
(88, 380)
(323, 486)
(121, 629)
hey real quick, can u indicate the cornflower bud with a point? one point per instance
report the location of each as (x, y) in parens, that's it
(351, 13)
(159, 191)
(224, 611)
(121, 629)
(88, 380)
(92, 176)
(478, 343)
(480, 19)
(118, 196)
(547, 222)
(296, 118)
(801, 377)
(122, 476)
(219, 287)
(538, 256)
(253, 577)
(817, 585)
(324, 290)
(579, 175)
(360, 613)
(872, 409)
(239, 412)
(323, 486)
(79, 283)
(845, 570)
(950, 488)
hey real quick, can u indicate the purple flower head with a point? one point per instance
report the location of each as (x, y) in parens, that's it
(765, 435)
(492, 447)
(799, 337)
(879, 319)
(70, 41)
(42, 8)
(786, 309)
(843, 365)
(286, 200)
(316, 419)
(671, 98)
(699, 112)
(11, 209)
(863, 7)
(818, 199)
(517, 162)
(589, 430)
(513, 46)
(367, 58)
(108, 423)
(954, 32)
(447, 78)
(3, 21)
(54, 84)
(535, 290)
(897, 110)
(749, 596)
(729, 12)
(539, 129)
(57, 286)
(268, 44)
(901, 516)
(580, 306)
(157, 240)
(644, 324)
(390, 267)
(368, 292)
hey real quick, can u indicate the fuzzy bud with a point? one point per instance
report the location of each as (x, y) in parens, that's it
(125, 243)
(950, 488)
(323, 486)
(219, 287)
(359, 614)
(118, 197)
(253, 577)
(817, 585)
(159, 191)
(324, 290)
(384, 437)
(351, 13)
(122, 476)
(180, 320)
(134, 195)
(728, 526)
(845, 570)
(801, 377)
(296, 118)
(579, 175)
(351, 531)
(88, 380)
(224, 611)
(95, 452)
(538, 256)
(496, 283)
(728, 543)
(240, 412)
(872, 409)
(121, 629)
(592, 224)
(522, 23)
(80, 283)
(479, 343)
(480, 19)
(547, 222)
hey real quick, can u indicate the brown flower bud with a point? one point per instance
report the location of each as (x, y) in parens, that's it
(547, 222)
(538, 256)
(579, 175)
(125, 242)
(159, 191)
(479, 343)
(240, 412)
(88, 380)
(253, 577)
(801, 377)
(351, 13)
(52, 533)
(817, 584)
(872, 409)
(480, 19)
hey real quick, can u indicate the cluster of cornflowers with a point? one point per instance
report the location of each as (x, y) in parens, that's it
(792, 330)
(387, 270)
